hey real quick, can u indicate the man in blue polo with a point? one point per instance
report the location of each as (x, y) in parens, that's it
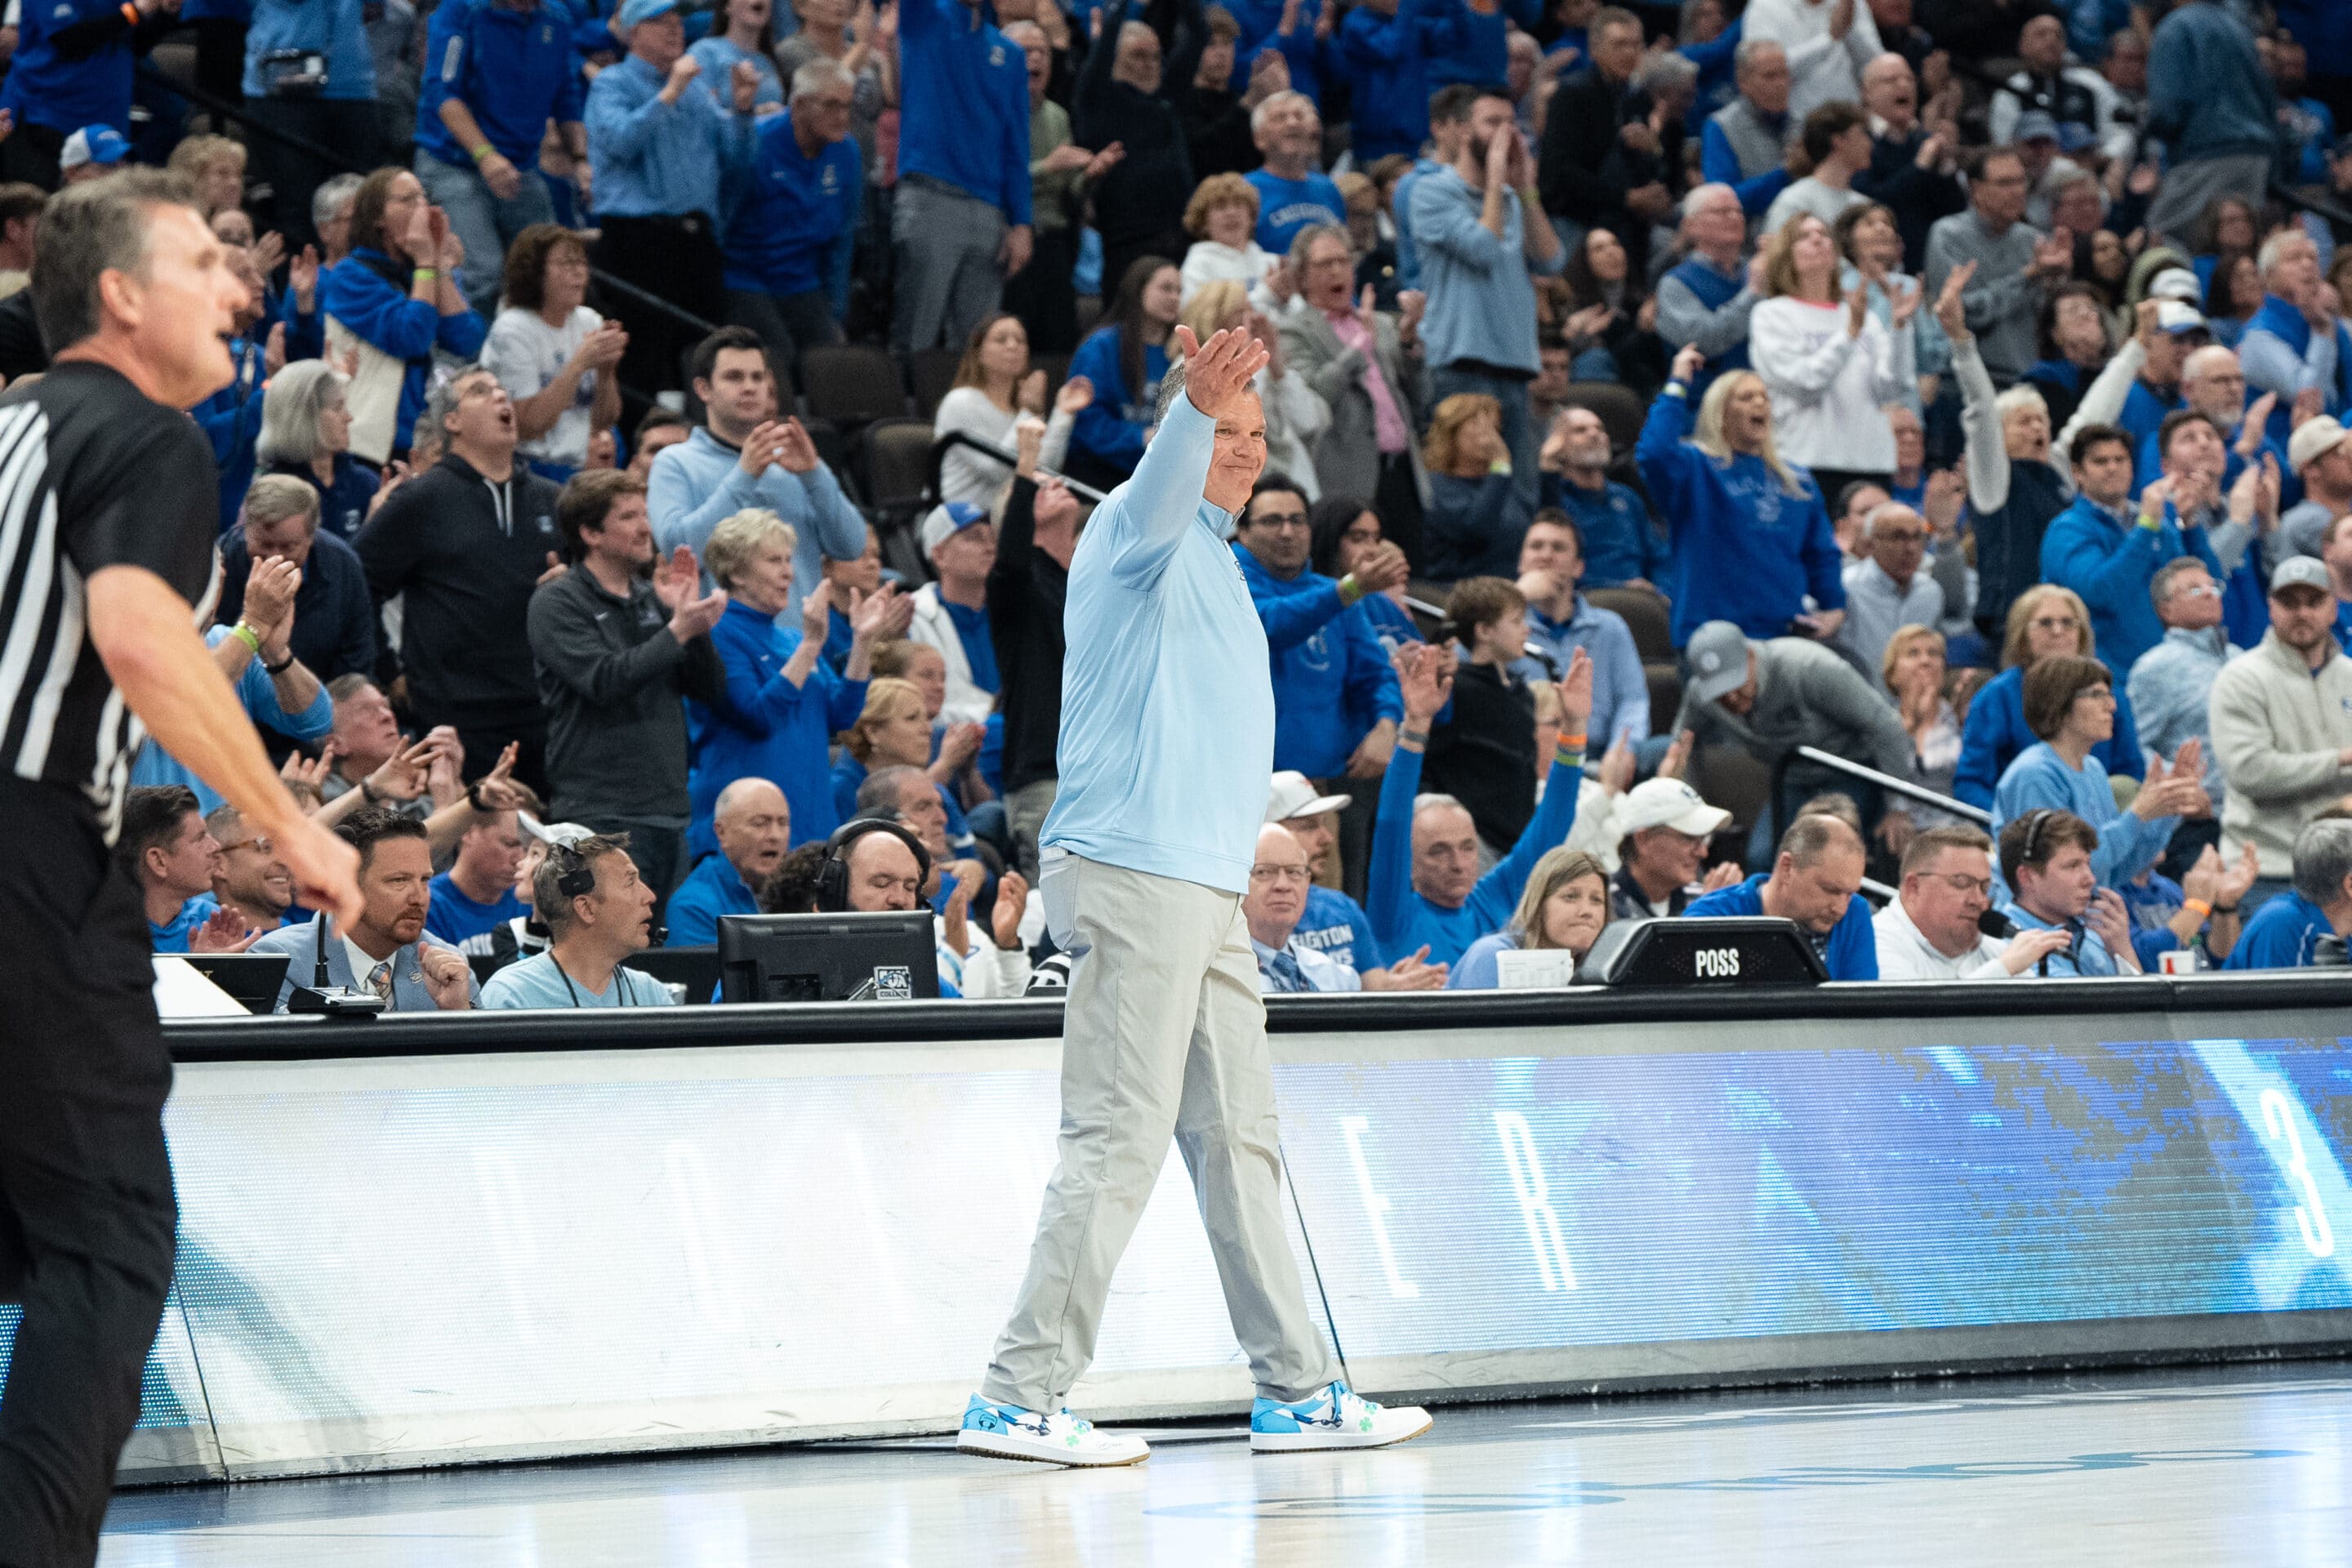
(2287, 930)
(754, 825)
(1816, 881)
(960, 224)
(496, 72)
(72, 69)
(790, 241)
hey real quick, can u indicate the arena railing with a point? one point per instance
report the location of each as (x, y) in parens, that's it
(1854, 770)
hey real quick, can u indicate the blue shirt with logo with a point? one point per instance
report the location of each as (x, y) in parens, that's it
(456, 915)
(798, 212)
(512, 67)
(1286, 206)
(2284, 934)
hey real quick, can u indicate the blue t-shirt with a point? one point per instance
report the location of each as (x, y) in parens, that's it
(978, 648)
(174, 937)
(536, 982)
(1336, 926)
(1286, 206)
(2284, 934)
(454, 915)
(714, 888)
(1850, 950)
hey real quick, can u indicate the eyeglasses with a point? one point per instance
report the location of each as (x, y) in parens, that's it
(2199, 591)
(1962, 882)
(2054, 623)
(1278, 520)
(258, 846)
(1298, 874)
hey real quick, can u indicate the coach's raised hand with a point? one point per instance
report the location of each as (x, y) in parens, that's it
(1217, 373)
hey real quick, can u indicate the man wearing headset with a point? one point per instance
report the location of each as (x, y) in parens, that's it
(875, 864)
(1167, 741)
(598, 912)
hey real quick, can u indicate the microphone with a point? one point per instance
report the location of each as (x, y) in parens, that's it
(318, 977)
(1993, 924)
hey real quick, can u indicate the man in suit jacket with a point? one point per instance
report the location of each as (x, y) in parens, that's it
(1367, 368)
(384, 950)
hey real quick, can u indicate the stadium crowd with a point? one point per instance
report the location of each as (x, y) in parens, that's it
(1957, 387)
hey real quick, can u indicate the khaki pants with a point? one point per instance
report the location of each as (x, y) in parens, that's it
(1164, 1035)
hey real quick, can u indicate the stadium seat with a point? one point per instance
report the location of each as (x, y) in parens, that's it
(1620, 409)
(931, 374)
(851, 384)
(897, 465)
(1646, 617)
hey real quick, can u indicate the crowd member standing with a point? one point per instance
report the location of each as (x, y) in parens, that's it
(2112, 566)
(339, 111)
(557, 358)
(85, 1182)
(1743, 147)
(1481, 234)
(663, 148)
(306, 435)
(1602, 164)
(2011, 265)
(1028, 587)
(500, 71)
(2212, 103)
(1389, 50)
(1706, 299)
(395, 298)
(615, 652)
(1828, 42)
(1162, 975)
(1138, 203)
(1617, 546)
(464, 545)
(2282, 722)
(788, 245)
(1368, 372)
(71, 70)
(1292, 192)
(1830, 367)
(960, 223)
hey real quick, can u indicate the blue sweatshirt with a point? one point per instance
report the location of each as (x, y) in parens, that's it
(1111, 428)
(335, 28)
(2208, 95)
(2040, 778)
(1402, 919)
(1996, 733)
(965, 91)
(512, 68)
(2284, 934)
(714, 887)
(700, 481)
(85, 82)
(1746, 550)
(797, 215)
(770, 729)
(1482, 55)
(1388, 61)
(1853, 950)
(356, 293)
(1286, 206)
(1621, 543)
(2110, 560)
(1332, 680)
(1166, 733)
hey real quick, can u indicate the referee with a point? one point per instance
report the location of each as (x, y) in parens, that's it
(109, 509)
(1167, 742)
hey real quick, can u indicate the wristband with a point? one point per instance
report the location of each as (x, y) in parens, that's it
(282, 666)
(367, 793)
(1350, 589)
(2225, 909)
(2199, 908)
(1678, 389)
(482, 152)
(248, 637)
(429, 274)
(1412, 737)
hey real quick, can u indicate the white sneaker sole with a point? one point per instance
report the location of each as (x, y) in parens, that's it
(1304, 1442)
(1007, 1445)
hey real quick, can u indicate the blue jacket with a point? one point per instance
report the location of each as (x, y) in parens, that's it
(2208, 95)
(1404, 920)
(73, 64)
(1332, 680)
(770, 729)
(2284, 934)
(1111, 428)
(700, 481)
(1996, 733)
(798, 217)
(2041, 778)
(1388, 61)
(1853, 950)
(662, 160)
(512, 68)
(1621, 543)
(965, 88)
(1746, 550)
(257, 695)
(2110, 560)
(1482, 55)
(1165, 647)
(356, 292)
(333, 27)
(713, 889)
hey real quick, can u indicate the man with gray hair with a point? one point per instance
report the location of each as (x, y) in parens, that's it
(1885, 590)
(1138, 203)
(1912, 168)
(2312, 917)
(331, 216)
(1745, 145)
(1292, 192)
(1705, 299)
(334, 619)
(2296, 341)
(789, 243)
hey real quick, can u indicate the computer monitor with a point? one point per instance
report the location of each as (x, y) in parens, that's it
(888, 957)
(251, 979)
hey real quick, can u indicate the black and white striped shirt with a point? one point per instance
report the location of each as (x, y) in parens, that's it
(92, 475)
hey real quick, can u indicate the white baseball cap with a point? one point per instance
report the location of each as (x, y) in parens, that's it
(1668, 803)
(2314, 439)
(1294, 795)
(2176, 283)
(562, 834)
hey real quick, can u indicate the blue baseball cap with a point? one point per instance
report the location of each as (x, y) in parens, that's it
(93, 145)
(636, 11)
(946, 520)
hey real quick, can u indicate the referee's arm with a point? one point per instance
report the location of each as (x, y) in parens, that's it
(146, 637)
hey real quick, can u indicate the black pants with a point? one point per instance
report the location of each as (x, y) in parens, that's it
(1121, 254)
(673, 258)
(791, 324)
(30, 154)
(344, 125)
(1397, 499)
(1834, 480)
(86, 1214)
(1041, 295)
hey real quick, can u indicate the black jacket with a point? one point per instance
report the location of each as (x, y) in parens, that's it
(1486, 757)
(1917, 197)
(1144, 196)
(335, 620)
(1583, 169)
(611, 678)
(1026, 591)
(466, 555)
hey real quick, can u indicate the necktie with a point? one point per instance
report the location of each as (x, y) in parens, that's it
(380, 980)
(1284, 970)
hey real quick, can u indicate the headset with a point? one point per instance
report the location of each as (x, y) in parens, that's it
(578, 880)
(832, 877)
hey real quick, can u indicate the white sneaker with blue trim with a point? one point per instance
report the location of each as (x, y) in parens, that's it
(1008, 1432)
(1335, 1419)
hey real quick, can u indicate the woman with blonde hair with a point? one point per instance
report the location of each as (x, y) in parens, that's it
(305, 431)
(216, 166)
(1222, 218)
(891, 730)
(995, 389)
(1295, 413)
(1830, 364)
(1565, 906)
(784, 701)
(1751, 536)
(1477, 514)
(2044, 622)
(1913, 668)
